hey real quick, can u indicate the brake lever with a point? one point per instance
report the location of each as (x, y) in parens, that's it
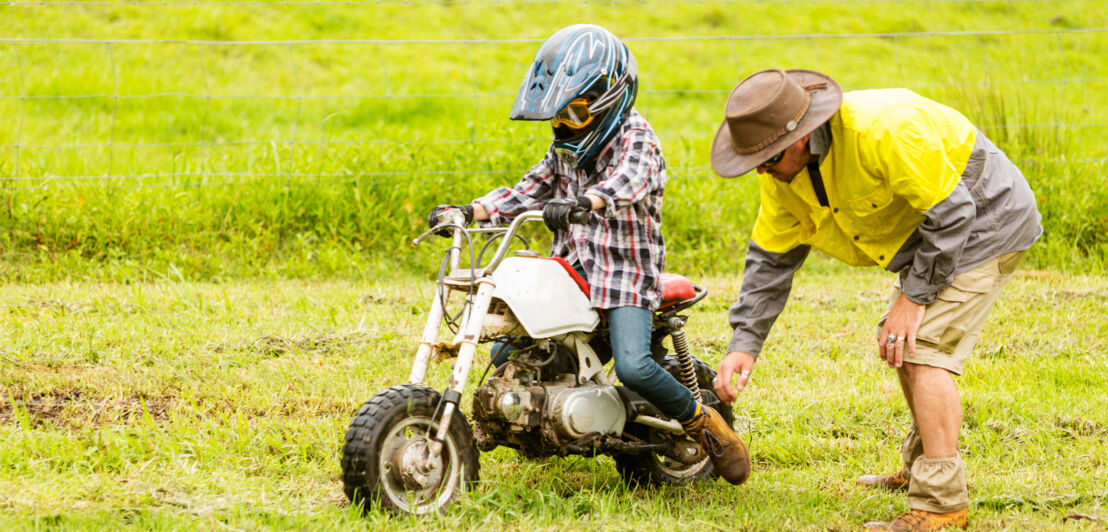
(447, 219)
(423, 236)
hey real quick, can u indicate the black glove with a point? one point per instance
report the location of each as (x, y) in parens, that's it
(433, 218)
(559, 213)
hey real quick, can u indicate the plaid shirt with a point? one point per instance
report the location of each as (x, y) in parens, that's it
(621, 248)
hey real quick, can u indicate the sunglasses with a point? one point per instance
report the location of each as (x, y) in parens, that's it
(773, 160)
(575, 115)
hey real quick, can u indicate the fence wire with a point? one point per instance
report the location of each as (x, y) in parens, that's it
(31, 152)
(504, 3)
(325, 3)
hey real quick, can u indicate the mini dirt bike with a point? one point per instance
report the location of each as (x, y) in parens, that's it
(411, 450)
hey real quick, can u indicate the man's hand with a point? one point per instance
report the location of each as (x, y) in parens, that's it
(900, 331)
(558, 213)
(735, 362)
(433, 218)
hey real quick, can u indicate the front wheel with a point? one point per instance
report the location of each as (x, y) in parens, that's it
(387, 457)
(653, 469)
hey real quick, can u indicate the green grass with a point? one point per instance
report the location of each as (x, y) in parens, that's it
(184, 348)
(321, 157)
(179, 405)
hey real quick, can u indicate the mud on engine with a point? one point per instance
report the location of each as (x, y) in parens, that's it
(533, 403)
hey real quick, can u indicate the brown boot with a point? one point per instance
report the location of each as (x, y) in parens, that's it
(894, 482)
(921, 520)
(723, 446)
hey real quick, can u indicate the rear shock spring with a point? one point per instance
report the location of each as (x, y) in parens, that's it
(684, 358)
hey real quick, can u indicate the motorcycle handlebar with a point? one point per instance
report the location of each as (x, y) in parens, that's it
(448, 219)
(509, 234)
(579, 216)
(457, 224)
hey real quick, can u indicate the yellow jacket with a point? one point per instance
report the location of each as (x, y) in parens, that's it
(894, 155)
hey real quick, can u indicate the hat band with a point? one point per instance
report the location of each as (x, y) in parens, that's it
(789, 126)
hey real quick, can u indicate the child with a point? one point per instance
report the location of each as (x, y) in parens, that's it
(607, 161)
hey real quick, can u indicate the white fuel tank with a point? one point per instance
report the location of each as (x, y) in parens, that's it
(543, 297)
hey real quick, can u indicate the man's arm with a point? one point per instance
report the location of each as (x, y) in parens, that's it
(923, 167)
(767, 281)
(943, 234)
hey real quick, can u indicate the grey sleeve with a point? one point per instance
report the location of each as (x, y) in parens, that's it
(945, 229)
(767, 281)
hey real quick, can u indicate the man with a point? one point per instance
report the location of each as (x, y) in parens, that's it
(892, 179)
(605, 163)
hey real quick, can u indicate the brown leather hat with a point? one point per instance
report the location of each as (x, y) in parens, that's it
(769, 111)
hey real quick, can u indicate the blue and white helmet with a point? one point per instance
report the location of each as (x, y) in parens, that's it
(580, 60)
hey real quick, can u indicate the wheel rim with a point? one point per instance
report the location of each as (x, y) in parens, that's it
(410, 482)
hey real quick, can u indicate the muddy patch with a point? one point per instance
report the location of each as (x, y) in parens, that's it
(275, 346)
(40, 307)
(323, 344)
(373, 299)
(1081, 427)
(76, 407)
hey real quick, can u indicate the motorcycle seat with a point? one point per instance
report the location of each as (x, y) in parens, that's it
(675, 289)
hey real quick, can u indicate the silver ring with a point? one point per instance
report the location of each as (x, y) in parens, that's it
(892, 339)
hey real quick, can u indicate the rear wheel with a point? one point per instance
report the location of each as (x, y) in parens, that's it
(386, 457)
(653, 469)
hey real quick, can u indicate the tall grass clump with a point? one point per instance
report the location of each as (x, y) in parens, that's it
(222, 141)
(1059, 168)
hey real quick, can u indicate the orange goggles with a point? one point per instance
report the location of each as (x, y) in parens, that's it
(575, 115)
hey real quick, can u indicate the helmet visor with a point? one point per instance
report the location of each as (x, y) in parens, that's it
(575, 115)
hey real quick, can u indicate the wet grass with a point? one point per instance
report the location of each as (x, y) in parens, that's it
(174, 405)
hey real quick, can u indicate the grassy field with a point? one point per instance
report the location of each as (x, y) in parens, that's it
(204, 269)
(225, 140)
(175, 405)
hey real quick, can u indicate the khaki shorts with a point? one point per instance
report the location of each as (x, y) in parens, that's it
(952, 323)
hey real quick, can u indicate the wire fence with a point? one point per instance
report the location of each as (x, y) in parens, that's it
(508, 3)
(189, 113)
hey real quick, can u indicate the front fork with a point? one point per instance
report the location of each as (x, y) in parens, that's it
(434, 318)
(469, 332)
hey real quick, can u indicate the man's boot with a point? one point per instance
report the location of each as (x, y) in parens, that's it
(894, 482)
(921, 520)
(723, 446)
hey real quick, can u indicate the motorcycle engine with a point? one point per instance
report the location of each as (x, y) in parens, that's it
(586, 409)
(517, 409)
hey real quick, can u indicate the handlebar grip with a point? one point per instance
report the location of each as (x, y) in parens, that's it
(579, 216)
